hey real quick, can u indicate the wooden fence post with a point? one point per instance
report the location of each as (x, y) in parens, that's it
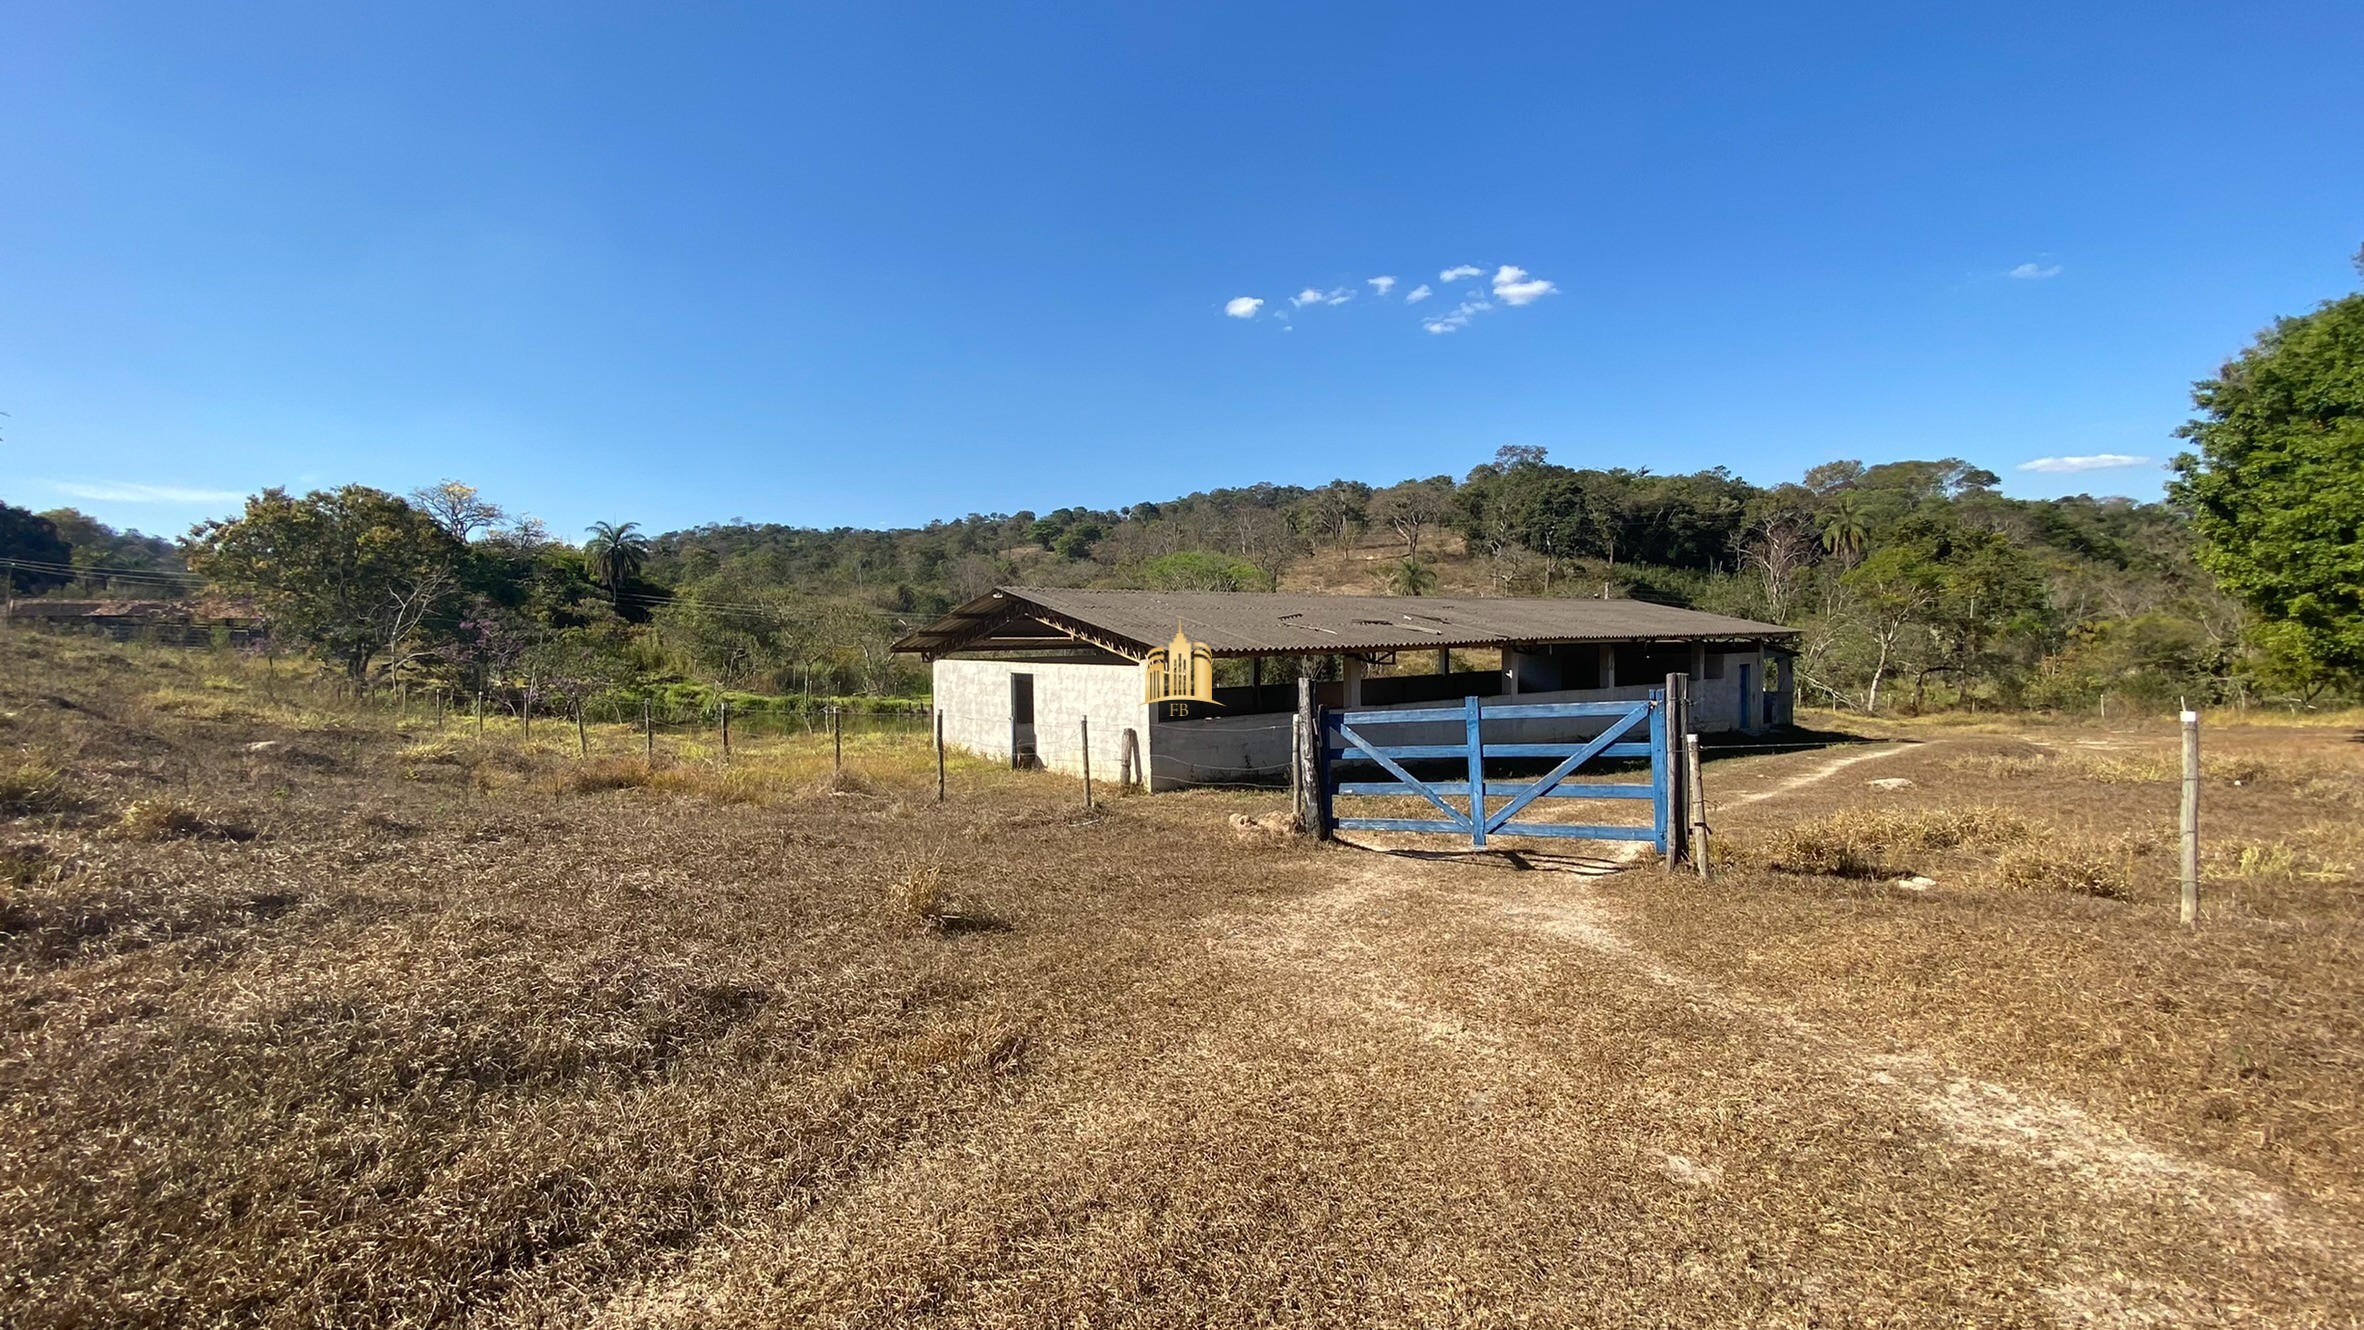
(1084, 726)
(582, 736)
(1697, 792)
(1303, 770)
(939, 757)
(648, 732)
(2191, 819)
(1133, 762)
(480, 713)
(836, 741)
(726, 729)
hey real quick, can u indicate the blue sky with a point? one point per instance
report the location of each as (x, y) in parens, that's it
(867, 264)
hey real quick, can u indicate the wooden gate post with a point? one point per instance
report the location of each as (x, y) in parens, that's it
(1302, 766)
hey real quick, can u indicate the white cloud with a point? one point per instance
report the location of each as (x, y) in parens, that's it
(1418, 294)
(2095, 462)
(1456, 274)
(2030, 272)
(1308, 296)
(1511, 286)
(1459, 318)
(1382, 285)
(128, 493)
(1242, 307)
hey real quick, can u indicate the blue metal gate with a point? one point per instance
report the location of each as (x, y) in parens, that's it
(1348, 739)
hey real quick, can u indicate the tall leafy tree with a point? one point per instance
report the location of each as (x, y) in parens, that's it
(353, 573)
(2276, 486)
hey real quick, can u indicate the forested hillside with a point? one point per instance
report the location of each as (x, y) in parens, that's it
(1917, 583)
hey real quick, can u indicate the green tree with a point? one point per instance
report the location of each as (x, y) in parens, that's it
(352, 573)
(2276, 487)
(617, 552)
(32, 552)
(1844, 528)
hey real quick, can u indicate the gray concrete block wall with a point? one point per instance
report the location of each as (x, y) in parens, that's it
(974, 696)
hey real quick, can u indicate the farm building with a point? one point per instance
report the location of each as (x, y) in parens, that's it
(1017, 670)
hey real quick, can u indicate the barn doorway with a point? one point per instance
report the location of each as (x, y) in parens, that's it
(1022, 750)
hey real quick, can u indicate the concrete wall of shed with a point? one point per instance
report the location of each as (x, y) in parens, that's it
(974, 696)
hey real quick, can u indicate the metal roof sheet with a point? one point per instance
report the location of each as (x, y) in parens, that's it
(1250, 623)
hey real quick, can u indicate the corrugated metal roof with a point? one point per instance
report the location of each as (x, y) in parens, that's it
(1248, 623)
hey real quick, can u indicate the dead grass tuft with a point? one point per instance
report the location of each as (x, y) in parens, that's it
(606, 773)
(1866, 842)
(170, 819)
(918, 895)
(845, 780)
(32, 788)
(2107, 872)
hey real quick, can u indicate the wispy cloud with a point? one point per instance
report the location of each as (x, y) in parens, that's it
(1382, 285)
(1512, 286)
(1242, 307)
(1459, 318)
(1418, 294)
(2033, 272)
(1456, 274)
(1308, 296)
(2093, 462)
(129, 493)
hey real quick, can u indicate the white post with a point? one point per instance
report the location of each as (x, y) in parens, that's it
(1352, 671)
(1608, 665)
(2191, 819)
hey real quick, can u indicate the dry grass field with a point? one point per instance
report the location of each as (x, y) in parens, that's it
(316, 1020)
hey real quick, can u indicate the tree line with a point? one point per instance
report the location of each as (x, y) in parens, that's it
(1916, 583)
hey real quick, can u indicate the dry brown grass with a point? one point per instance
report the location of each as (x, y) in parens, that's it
(480, 1034)
(2105, 871)
(1877, 842)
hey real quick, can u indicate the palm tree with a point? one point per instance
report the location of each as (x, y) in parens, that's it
(1843, 532)
(1412, 578)
(616, 551)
